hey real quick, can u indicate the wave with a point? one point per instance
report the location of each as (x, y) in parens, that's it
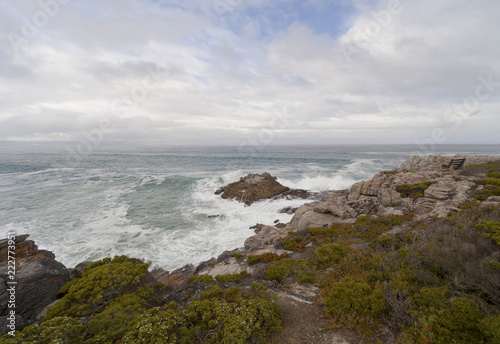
(319, 183)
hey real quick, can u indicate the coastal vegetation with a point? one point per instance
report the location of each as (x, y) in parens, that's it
(111, 303)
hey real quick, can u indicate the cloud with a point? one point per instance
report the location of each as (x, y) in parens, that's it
(222, 71)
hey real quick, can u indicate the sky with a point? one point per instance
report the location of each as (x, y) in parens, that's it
(250, 72)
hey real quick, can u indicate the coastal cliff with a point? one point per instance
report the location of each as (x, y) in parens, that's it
(409, 256)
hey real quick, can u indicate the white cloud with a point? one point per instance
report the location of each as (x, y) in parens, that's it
(229, 75)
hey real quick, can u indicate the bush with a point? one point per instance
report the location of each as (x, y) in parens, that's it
(111, 324)
(413, 191)
(99, 284)
(294, 243)
(327, 255)
(216, 317)
(459, 324)
(492, 230)
(200, 279)
(265, 258)
(355, 304)
(56, 330)
(232, 278)
(430, 300)
(490, 327)
(298, 269)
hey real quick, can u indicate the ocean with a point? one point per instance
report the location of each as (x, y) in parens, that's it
(158, 203)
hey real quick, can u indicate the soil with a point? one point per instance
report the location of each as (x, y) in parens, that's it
(305, 323)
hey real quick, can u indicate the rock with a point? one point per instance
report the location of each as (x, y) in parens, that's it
(355, 191)
(252, 188)
(435, 162)
(441, 190)
(288, 210)
(493, 199)
(38, 275)
(179, 278)
(266, 236)
(388, 197)
(306, 218)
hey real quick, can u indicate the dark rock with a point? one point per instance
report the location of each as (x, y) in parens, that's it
(38, 275)
(253, 188)
(288, 210)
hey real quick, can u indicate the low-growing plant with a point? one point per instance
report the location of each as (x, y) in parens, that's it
(110, 325)
(217, 316)
(200, 279)
(56, 330)
(265, 258)
(236, 255)
(459, 324)
(355, 304)
(327, 255)
(232, 278)
(298, 269)
(294, 243)
(99, 285)
(413, 191)
(491, 230)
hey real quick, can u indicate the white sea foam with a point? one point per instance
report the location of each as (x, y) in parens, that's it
(319, 183)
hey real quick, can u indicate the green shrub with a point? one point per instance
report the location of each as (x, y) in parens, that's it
(327, 255)
(459, 324)
(99, 284)
(492, 230)
(265, 258)
(159, 325)
(490, 327)
(298, 269)
(355, 304)
(232, 278)
(111, 324)
(200, 279)
(56, 330)
(413, 191)
(231, 316)
(431, 299)
(294, 243)
(236, 255)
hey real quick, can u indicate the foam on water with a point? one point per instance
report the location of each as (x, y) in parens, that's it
(319, 183)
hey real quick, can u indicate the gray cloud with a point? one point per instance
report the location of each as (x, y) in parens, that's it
(225, 76)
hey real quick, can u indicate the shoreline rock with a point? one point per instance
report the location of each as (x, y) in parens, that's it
(39, 278)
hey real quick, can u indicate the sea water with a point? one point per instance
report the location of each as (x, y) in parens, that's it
(159, 203)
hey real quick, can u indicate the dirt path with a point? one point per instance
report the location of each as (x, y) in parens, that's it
(304, 324)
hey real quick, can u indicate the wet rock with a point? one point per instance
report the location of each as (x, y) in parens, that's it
(253, 188)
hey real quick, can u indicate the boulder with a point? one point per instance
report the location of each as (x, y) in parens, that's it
(389, 197)
(441, 190)
(38, 275)
(253, 188)
(266, 236)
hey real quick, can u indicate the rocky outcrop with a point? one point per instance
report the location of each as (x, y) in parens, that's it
(435, 162)
(38, 278)
(256, 187)
(437, 192)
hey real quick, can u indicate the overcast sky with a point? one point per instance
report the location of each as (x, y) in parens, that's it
(250, 71)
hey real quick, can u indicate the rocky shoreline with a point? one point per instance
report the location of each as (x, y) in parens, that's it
(420, 187)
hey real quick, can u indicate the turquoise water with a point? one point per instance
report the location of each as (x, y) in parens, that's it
(158, 204)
